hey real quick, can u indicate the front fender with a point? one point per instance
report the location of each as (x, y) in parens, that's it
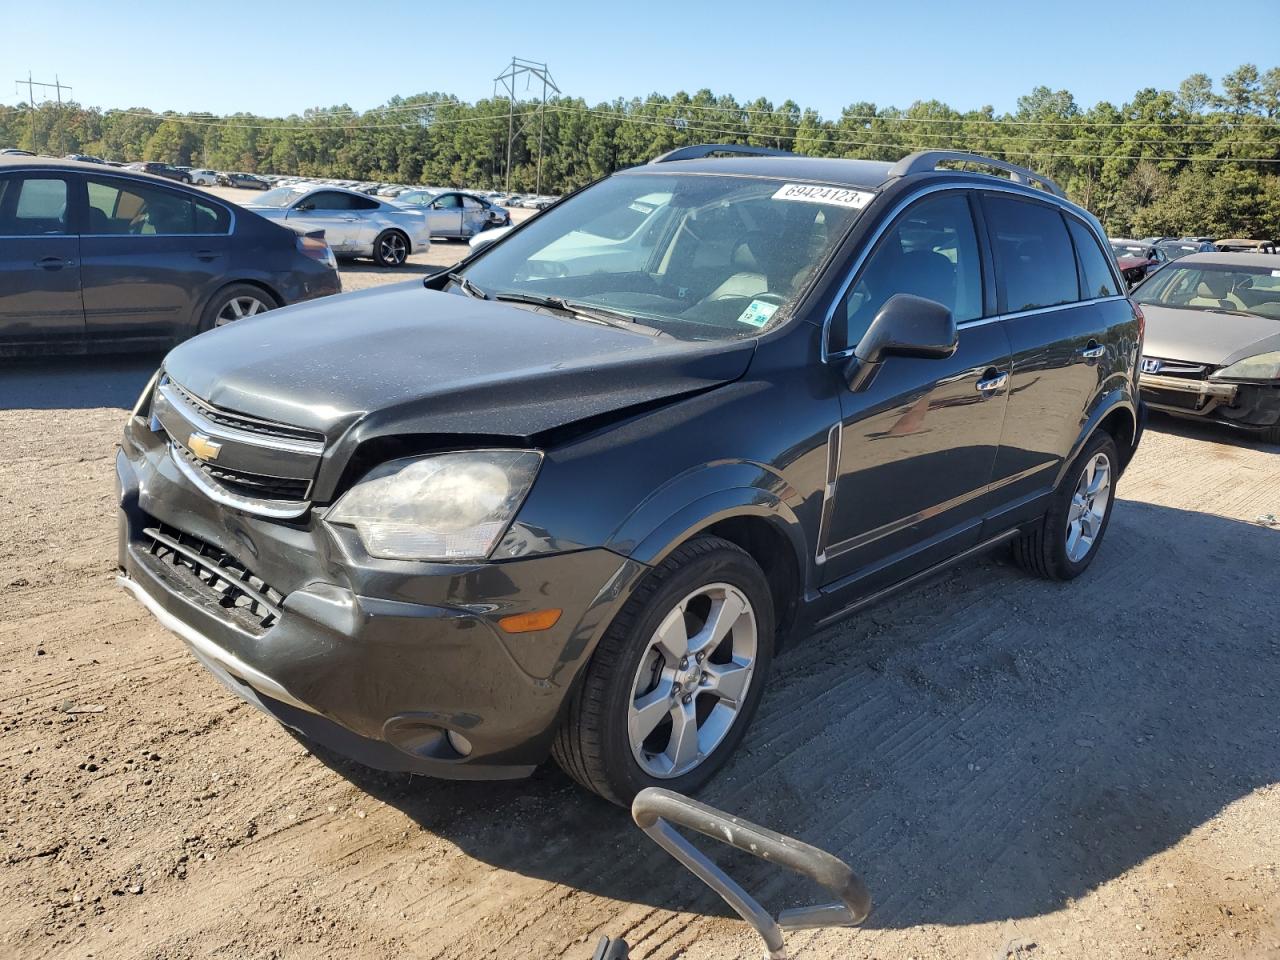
(700, 498)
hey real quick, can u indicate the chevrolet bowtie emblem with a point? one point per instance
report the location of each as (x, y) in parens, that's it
(203, 447)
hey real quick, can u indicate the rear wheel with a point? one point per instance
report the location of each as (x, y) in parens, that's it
(236, 302)
(1063, 544)
(391, 248)
(676, 679)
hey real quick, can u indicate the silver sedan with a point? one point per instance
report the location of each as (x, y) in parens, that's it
(454, 214)
(355, 225)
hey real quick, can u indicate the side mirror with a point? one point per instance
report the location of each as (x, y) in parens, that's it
(906, 326)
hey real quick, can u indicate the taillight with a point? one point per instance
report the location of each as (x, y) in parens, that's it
(317, 249)
(1142, 320)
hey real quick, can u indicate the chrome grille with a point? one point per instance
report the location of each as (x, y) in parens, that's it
(245, 483)
(208, 571)
(240, 421)
(1177, 368)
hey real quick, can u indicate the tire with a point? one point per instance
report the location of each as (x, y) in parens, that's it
(1270, 434)
(595, 743)
(1049, 549)
(390, 249)
(222, 308)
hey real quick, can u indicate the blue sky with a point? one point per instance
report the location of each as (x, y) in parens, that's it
(274, 58)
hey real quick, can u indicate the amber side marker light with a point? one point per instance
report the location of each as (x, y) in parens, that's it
(529, 622)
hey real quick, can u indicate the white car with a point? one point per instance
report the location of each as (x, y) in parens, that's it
(354, 224)
(205, 178)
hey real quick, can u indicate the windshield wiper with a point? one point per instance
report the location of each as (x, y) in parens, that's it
(587, 311)
(467, 287)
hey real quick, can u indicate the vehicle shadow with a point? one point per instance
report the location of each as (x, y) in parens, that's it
(984, 747)
(1208, 432)
(79, 383)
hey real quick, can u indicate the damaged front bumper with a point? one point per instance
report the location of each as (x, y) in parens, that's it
(399, 666)
(1245, 405)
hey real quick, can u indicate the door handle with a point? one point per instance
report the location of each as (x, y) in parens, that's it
(350, 219)
(1093, 350)
(991, 381)
(54, 263)
(206, 255)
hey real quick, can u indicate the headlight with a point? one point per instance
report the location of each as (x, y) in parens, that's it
(1265, 366)
(447, 506)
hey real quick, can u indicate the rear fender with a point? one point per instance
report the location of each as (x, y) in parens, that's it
(1118, 396)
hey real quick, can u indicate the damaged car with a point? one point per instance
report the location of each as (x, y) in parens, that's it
(571, 497)
(1213, 341)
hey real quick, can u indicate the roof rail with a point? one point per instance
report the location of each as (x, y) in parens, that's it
(702, 150)
(926, 161)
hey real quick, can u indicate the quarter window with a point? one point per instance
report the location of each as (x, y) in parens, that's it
(1096, 279)
(1034, 257)
(32, 206)
(132, 209)
(932, 252)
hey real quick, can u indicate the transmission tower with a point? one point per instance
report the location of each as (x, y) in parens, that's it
(505, 84)
(30, 84)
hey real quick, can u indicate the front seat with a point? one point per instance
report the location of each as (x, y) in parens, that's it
(1214, 291)
(748, 280)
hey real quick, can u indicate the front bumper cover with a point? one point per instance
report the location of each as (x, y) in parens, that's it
(374, 659)
(1247, 405)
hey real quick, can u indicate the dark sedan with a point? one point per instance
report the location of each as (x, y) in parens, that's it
(244, 181)
(93, 258)
(165, 170)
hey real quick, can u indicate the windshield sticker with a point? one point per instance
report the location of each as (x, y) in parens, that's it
(757, 313)
(834, 196)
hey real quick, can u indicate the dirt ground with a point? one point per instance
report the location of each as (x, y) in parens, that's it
(1019, 769)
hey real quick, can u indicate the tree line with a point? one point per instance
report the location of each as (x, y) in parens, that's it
(1202, 159)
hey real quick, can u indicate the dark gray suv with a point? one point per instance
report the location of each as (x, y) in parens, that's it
(573, 496)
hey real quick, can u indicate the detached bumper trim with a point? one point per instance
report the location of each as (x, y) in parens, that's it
(1202, 388)
(212, 655)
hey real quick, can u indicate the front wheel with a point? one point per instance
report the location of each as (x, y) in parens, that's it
(1063, 544)
(390, 249)
(677, 677)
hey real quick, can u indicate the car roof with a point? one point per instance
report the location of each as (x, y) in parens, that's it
(1268, 260)
(9, 162)
(867, 174)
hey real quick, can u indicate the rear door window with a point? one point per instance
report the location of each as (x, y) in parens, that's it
(120, 207)
(1035, 261)
(1096, 279)
(33, 206)
(931, 251)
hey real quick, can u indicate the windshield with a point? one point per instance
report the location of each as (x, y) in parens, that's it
(697, 257)
(279, 197)
(420, 197)
(1215, 287)
(1129, 250)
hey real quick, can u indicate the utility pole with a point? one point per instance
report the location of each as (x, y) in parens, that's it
(58, 86)
(530, 70)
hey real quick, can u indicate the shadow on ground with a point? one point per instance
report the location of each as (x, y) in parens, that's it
(75, 383)
(987, 746)
(1209, 432)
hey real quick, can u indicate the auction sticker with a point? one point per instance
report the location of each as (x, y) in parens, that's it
(833, 196)
(757, 313)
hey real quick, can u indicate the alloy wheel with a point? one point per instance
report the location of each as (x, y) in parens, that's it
(237, 308)
(393, 248)
(1088, 507)
(692, 681)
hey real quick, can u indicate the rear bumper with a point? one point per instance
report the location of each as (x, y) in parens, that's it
(376, 660)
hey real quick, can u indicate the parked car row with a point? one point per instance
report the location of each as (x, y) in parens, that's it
(98, 258)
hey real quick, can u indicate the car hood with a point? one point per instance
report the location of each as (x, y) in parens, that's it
(403, 360)
(1207, 336)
